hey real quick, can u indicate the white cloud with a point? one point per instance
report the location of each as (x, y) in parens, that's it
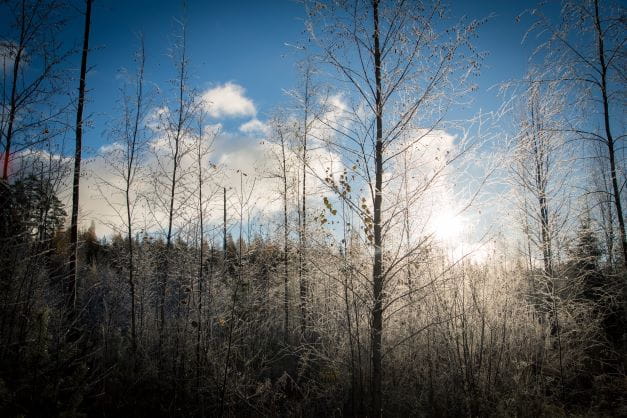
(254, 126)
(109, 148)
(156, 116)
(228, 100)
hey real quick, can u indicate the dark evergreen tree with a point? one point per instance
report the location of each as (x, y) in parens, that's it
(38, 211)
(598, 287)
(585, 258)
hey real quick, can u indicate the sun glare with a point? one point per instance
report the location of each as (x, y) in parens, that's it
(447, 226)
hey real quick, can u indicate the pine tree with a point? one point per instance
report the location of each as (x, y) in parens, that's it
(585, 258)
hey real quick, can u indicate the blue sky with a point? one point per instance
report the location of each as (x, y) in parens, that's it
(246, 46)
(247, 43)
(239, 42)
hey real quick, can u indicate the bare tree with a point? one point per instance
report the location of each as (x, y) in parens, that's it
(586, 51)
(279, 137)
(132, 149)
(204, 140)
(541, 173)
(77, 160)
(169, 198)
(305, 101)
(539, 168)
(398, 66)
(30, 39)
(124, 160)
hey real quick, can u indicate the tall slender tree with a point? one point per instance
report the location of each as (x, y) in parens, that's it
(398, 61)
(132, 150)
(309, 100)
(123, 177)
(172, 171)
(586, 51)
(539, 168)
(31, 72)
(73, 278)
(305, 128)
(541, 174)
(205, 190)
(279, 137)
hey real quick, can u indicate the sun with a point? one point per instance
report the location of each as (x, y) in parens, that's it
(447, 226)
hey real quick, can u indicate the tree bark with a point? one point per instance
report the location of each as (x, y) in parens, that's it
(13, 106)
(224, 224)
(377, 269)
(200, 262)
(302, 257)
(131, 161)
(175, 165)
(286, 309)
(77, 163)
(608, 132)
(541, 185)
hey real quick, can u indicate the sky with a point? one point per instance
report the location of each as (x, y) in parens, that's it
(243, 51)
(243, 43)
(243, 59)
(250, 44)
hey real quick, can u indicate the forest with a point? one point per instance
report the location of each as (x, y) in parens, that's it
(382, 241)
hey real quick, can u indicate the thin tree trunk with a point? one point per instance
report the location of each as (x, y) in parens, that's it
(129, 174)
(13, 106)
(224, 223)
(77, 163)
(541, 182)
(612, 156)
(200, 263)
(212, 259)
(608, 133)
(302, 257)
(177, 150)
(377, 268)
(346, 273)
(285, 247)
(227, 359)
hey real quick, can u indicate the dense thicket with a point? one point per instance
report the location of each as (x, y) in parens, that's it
(476, 340)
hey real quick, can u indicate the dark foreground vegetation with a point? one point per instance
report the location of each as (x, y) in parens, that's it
(480, 340)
